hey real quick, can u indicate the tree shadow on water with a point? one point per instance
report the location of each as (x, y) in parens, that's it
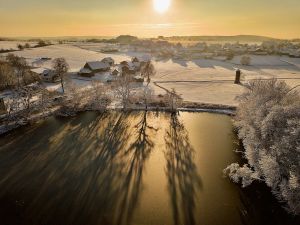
(137, 154)
(183, 179)
(88, 171)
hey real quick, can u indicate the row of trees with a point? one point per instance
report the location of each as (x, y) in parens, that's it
(268, 122)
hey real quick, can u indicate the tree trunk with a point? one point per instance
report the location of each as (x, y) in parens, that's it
(62, 84)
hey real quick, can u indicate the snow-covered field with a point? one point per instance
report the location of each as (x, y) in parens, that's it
(203, 80)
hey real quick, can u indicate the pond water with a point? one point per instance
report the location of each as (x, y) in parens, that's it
(128, 169)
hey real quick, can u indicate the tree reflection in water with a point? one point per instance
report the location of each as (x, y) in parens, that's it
(137, 154)
(88, 171)
(183, 179)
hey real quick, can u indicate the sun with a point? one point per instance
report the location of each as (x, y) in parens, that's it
(161, 6)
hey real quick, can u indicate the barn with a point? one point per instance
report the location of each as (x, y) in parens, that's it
(91, 68)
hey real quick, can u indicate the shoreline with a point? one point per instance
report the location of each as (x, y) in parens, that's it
(187, 107)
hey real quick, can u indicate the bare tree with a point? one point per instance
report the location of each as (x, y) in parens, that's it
(100, 98)
(147, 95)
(61, 67)
(147, 71)
(173, 100)
(123, 89)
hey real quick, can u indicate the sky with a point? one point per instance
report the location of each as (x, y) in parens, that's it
(49, 18)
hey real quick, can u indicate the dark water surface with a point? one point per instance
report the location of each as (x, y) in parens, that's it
(128, 169)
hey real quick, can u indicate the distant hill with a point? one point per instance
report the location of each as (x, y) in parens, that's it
(241, 38)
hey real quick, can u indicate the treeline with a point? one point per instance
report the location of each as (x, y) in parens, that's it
(40, 43)
(122, 39)
(236, 38)
(15, 72)
(268, 123)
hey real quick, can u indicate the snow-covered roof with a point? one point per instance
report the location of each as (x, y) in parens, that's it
(85, 70)
(108, 59)
(104, 77)
(96, 65)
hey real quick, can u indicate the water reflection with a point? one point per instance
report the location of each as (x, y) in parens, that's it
(137, 154)
(183, 179)
(88, 173)
(126, 169)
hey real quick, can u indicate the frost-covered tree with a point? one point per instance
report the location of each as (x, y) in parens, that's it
(123, 89)
(173, 100)
(268, 123)
(147, 71)
(99, 97)
(61, 67)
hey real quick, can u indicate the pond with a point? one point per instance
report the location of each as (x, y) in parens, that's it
(128, 169)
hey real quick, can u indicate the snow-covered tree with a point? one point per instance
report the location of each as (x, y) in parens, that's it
(123, 89)
(173, 100)
(99, 96)
(147, 71)
(61, 68)
(268, 122)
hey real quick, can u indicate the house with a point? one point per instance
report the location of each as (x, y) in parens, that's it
(49, 75)
(108, 60)
(128, 69)
(91, 68)
(86, 72)
(115, 72)
(136, 63)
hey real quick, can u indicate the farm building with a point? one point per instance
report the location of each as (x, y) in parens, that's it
(127, 68)
(108, 60)
(91, 68)
(115, 72)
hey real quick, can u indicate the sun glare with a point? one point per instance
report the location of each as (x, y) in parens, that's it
(161, 6)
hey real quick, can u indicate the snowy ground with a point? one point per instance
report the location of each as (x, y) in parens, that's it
(207, 81)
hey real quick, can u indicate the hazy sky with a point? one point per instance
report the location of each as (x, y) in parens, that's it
(275, 18)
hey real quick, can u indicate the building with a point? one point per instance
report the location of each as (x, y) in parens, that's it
(91, 68)
(115, 72)
(109, 61)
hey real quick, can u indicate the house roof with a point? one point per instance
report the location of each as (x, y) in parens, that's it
(96, 65)
(107, 59)
(85, 70)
